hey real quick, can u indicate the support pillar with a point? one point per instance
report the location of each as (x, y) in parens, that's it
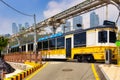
(26, 47)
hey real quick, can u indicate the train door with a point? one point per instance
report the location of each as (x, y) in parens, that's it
(68, 48)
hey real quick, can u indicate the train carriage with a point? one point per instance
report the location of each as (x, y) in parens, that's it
(83, 44)
(89, 44)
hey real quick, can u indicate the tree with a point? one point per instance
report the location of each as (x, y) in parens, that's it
(3, 43)
(7, 68)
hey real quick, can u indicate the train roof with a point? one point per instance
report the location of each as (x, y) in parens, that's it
(75, 31)
(51, 36)
(15, 46)
(96, 27)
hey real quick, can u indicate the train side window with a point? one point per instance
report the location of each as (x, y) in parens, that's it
(60, 42)
(80, 39)
(39, 45)
(52, 43)
(24, 48)
(112, 37)
(17, 50)
(102, 36)
(30, 47)
(45, 45)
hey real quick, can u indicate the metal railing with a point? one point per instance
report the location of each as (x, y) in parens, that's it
(22, 57)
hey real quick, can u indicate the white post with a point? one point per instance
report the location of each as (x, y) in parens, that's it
(26, 47)
(35, 39)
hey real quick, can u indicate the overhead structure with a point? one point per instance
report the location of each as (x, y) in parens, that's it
(60, 18)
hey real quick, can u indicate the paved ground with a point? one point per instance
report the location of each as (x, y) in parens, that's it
(65, 71)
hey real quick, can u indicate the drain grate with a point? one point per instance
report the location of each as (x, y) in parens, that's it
(67, 70)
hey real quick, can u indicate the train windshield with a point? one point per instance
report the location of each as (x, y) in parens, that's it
(102, 36)
(112, 37)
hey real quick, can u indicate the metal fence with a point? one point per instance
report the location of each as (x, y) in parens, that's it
(22, 57)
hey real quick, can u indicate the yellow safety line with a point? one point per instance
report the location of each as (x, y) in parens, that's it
(95, 72)
(32, 75)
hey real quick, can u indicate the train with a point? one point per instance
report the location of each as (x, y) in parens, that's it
(88, 44)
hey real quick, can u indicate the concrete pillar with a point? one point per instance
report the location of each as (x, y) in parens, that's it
(26, 47)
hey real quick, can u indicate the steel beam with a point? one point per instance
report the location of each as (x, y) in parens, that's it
(81, 8)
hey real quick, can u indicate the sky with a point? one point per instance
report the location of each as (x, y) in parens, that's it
(43, 9)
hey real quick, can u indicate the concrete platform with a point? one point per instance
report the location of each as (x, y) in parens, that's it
(111, 72)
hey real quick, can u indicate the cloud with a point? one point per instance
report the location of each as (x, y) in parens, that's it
(55, 7)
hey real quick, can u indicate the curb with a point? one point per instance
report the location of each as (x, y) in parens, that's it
(24, 73)
(104, 73)
(32, 75)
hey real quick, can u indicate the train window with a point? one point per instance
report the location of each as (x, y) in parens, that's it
(39, 45)
(102, 36)
(80, 39)
(14, 49)
(52, 43)
(17, 49)
(45, 45)
(60, 42)
(11, 50)
(23, 48)
(112, 37)
(30, 47)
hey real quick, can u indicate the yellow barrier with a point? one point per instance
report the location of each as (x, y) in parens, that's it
(22, 75)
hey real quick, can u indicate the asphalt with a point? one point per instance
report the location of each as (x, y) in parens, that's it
(65, 71)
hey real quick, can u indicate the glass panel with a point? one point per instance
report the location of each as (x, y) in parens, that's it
(24, 48)
(60, 42)
(52, 44)
(30, 47)
(39, 45)
(102, 36)
(80, 39)
(45, 45)
(112, 37)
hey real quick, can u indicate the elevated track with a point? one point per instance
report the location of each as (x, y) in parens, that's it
(60, 18)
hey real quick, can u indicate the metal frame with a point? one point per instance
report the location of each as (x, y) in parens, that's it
(81, 8)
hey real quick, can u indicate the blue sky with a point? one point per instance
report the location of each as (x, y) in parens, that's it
(8, 16)
(43, 9)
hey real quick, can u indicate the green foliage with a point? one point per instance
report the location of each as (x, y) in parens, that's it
(3, 42)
